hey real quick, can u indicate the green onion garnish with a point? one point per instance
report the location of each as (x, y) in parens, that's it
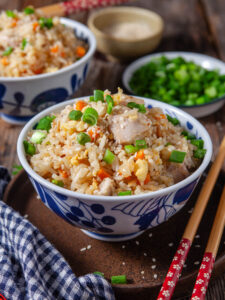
(98, 95)
(58, 182)
(28, 10)
(187, 135)
(45, 22)
(29, 148)
(167, 144)
(16, 169)
(141, 144)
(141, 108)
(125, 193)
(174, 121)
(10, 14)
(199, 153)
(108, 157)
(45, 123)
(99, 273)
(119, 279)
(91, 99)
(24, 43)
(8, 51)
(198, 143)
(110, 103)
(130, 149)
(75, 115)
(38, 137)
(90, 116)
(83, 138)
(177, 156)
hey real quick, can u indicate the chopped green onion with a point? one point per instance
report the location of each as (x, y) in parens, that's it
(119, 279)
(16, 169)
(45, 123)
(83, 138)
(91, 99)
(198, 143)
(10, 14)
(177, 156)
(199, 153)
(108, 157)
(8, 51)
(24, 43)
(38, 137)
(141, 144)
(174, 121)
(58, 182)
(141, 108)
(29, 148)
(99, 273)
(188, 135)
(168, 144)
(28, 10)
(90, 116)
(110, 103)
(98, 95)
(125, 193)
(45, 22)
(130, 149)
(75, 115)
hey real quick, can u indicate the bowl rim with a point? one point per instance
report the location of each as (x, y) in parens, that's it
(180, 53)
(92, 47)
(101, 33)
(196, 174)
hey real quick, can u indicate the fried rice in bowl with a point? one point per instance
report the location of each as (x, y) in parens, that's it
(112, 164)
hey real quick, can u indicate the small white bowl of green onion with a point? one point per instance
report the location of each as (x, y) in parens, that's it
(191, 81)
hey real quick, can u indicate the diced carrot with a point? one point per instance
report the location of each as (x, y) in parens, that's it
(54, 49)
(63, 173)
(139, 155)
(160, 117)
(80, 51)
(5, 61)
(63, 54)
(94, 134)
(38, 71)
(14, 23)
(147, 179)
(80, 105)
(35, 25)
(102, 174)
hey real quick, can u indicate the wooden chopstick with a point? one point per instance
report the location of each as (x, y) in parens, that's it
(177, 264)
(208, 260)
(74, 6)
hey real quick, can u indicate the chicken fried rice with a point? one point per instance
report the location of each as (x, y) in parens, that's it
(32, 44)
(112, 145)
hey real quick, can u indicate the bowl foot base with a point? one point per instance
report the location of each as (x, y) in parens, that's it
(16, 120)
(112, 237)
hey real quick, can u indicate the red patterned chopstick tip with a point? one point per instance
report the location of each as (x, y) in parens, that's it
(75, 6)
(203, 277)
(175, 270)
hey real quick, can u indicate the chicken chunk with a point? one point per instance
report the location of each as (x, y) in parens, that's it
(178, 171)
(126, 99)
(106, 187)
(129, 126)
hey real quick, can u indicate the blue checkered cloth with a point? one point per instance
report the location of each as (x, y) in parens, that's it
(31, 268)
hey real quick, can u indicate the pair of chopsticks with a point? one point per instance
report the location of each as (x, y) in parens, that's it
(74, 6)
(205, 270)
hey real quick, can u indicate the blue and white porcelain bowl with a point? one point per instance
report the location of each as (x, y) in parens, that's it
(114, 218)
(23, 97)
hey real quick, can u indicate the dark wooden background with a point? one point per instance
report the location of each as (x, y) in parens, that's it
(190, 25)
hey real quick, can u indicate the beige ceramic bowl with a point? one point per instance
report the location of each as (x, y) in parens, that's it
(142, 34)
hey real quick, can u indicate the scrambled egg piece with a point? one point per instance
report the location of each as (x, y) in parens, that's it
(141, 169)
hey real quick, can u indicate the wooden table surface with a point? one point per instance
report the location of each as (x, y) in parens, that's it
(190, 25)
